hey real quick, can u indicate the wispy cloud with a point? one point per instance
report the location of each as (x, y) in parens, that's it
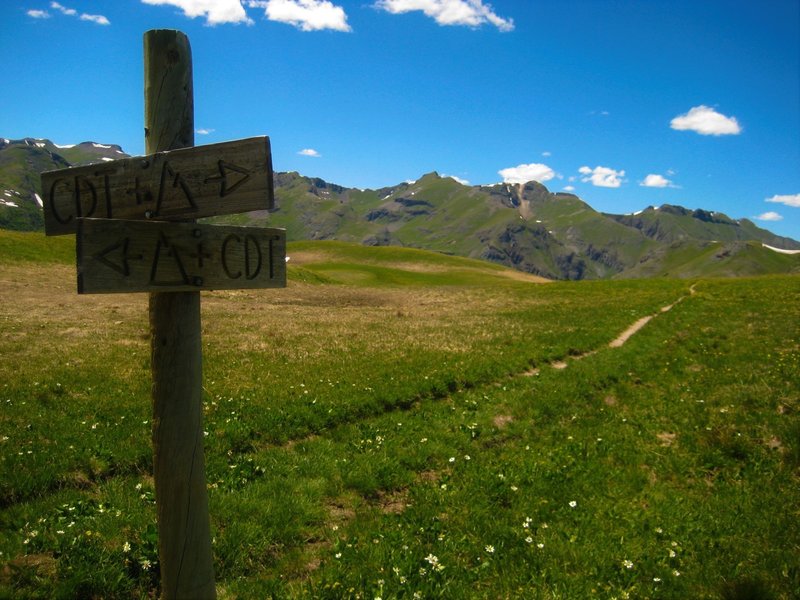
(789, 200)
(306, 15)
(98, 19)
(458, 179)
(309, 152)
(706, 121)
(769, 216)
(216, 12)
(472, 13)
(69, 12)
(204, 131)
(602, 176)
(525, 173)
(655, 180)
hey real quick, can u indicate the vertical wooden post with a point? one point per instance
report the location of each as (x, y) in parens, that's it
(184, 534)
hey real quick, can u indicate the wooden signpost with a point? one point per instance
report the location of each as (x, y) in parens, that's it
(121, 212)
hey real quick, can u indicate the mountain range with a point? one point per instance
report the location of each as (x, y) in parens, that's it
(523, 226)
(21, 162)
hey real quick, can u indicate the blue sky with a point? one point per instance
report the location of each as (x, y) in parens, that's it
(625, 103)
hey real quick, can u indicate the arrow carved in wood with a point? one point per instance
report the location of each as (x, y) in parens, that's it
(121, 266)
(225, 169)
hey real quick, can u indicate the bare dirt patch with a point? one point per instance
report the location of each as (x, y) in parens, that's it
(43, 565)
(393, 503)
(341, 510)
(429, 476)
(521, 276)
(307, 256)
(774, 444)
(501, 421)
(667, 439)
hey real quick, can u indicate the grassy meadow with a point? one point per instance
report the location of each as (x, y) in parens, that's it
(402, 424)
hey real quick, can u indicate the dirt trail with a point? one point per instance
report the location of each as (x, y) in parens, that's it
(619, 340)
(625, 335)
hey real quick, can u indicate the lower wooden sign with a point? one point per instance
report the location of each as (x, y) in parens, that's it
(116, 256)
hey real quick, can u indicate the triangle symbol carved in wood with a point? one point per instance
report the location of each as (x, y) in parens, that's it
(228, 187)
(166, 272)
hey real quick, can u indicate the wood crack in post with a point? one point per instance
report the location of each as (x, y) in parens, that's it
(188, 522)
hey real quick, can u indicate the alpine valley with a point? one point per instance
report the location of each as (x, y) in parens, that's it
(524, 226)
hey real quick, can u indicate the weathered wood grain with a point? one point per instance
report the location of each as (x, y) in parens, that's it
(184, 533)
(116, 256)
(189, 183)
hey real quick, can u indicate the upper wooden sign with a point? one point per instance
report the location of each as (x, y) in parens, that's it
(190, 183)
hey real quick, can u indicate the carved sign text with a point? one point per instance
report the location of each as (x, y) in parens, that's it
(135, 256)
(201, 181)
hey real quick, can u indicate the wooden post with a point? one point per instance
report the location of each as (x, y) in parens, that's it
(184, 534)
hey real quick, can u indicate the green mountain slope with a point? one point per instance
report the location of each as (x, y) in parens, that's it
(328, 262)
(669, 223)
(21, 162)
(715, 259)
(524, 226)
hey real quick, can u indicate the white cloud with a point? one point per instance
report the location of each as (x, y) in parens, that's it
(306, 15)
(309, 152)
(458, 179)
(569, 188)
(706, 121)
(547, 153)
(657, 181)
(216, 12)
(204, 131)
(98, 19)
(788, 200)
(524, 173)
(70, 12)
(472, 13)
(602, 176)
(769, 216)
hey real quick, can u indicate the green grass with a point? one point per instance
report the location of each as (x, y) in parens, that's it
(391, 424)
(34, 247)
